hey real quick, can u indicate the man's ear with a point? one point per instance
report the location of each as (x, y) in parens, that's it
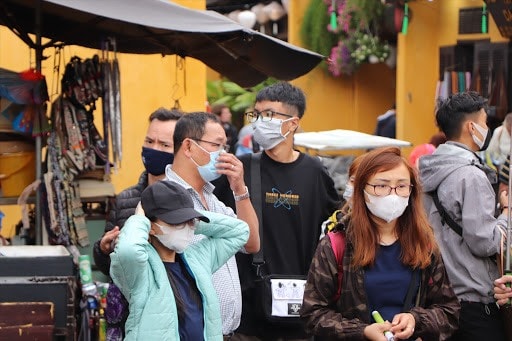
(185, 145)
(295, 124)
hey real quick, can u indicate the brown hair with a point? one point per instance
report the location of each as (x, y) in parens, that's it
(414, 233)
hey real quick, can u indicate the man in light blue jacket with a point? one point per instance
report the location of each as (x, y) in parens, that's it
(166, 280)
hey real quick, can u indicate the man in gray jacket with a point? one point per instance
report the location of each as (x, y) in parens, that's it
(468, 234)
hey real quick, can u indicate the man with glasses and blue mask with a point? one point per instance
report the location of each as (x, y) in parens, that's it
(200, 156)
(297, 194)
(460, 205)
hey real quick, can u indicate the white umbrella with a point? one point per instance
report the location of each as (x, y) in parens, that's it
(339, 139)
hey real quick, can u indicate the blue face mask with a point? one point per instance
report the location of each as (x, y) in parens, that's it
(155, 160)
(208, 172)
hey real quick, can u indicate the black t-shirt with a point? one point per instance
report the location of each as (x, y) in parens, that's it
(296, 198)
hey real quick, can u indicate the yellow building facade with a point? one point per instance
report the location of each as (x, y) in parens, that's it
(149, 82)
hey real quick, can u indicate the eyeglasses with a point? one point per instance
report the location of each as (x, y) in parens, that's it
(383, 190)
(191, 224)
(266, 115)
(219, 146)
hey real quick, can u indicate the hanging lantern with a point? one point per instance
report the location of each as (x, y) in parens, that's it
(234, 15)
(275, 12)
(261, 16)
(247, 18)
(286, 5)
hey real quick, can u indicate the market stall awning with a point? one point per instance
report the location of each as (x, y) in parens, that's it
(332, 140)
(245, 56)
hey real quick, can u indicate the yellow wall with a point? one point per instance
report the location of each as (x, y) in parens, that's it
(147, 83)
(433, 24)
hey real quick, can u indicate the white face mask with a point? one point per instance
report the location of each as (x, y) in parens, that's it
(268, 134)
(175, 238)
(482, 144)
(349, 191)
(389, 207)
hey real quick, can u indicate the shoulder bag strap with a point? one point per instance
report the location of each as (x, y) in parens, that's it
(257, 258)
(444, 215)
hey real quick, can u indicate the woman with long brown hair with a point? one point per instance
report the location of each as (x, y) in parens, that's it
(391, 263)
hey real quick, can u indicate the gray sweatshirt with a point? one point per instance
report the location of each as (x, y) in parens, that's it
(464, 189)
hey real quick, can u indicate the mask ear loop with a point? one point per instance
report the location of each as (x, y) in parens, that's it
(290, 130)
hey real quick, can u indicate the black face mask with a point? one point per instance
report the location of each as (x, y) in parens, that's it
(155, 160)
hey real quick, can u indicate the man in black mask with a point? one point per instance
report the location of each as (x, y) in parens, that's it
(460, 205)
(157, 153)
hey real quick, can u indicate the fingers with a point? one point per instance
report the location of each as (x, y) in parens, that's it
(139, 210)
(107, 239)
(504, 279)
(376, 331)
(403, 325)
(229, 163)
(232, 167)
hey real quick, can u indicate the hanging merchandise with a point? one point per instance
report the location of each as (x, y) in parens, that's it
(25, 93)
(111, 101)
(75, 146)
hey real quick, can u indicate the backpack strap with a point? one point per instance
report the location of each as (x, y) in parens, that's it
(338, 247)
(445, 217)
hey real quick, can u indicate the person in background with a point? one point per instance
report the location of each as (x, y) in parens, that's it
(166, 279)
(386, 123)
(391, 263)
(157, 153)
(297, 194)
(225, 116)
(200, 157)
(246, 143)
(437, 139)
(426, 148)
(344, 212)
(467, 231)
(499, 147)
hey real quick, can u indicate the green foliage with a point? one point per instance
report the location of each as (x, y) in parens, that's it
(350, 39)
(366, 12)
(314, 32)
(238, 99)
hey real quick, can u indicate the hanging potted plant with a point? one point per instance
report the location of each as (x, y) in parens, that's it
(353, 25)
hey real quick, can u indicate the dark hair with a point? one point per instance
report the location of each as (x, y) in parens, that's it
(437, 139)
(414, 233)
(452, 112)
(163, 114)
(285, 93)
(191, 126)
(217, 109)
